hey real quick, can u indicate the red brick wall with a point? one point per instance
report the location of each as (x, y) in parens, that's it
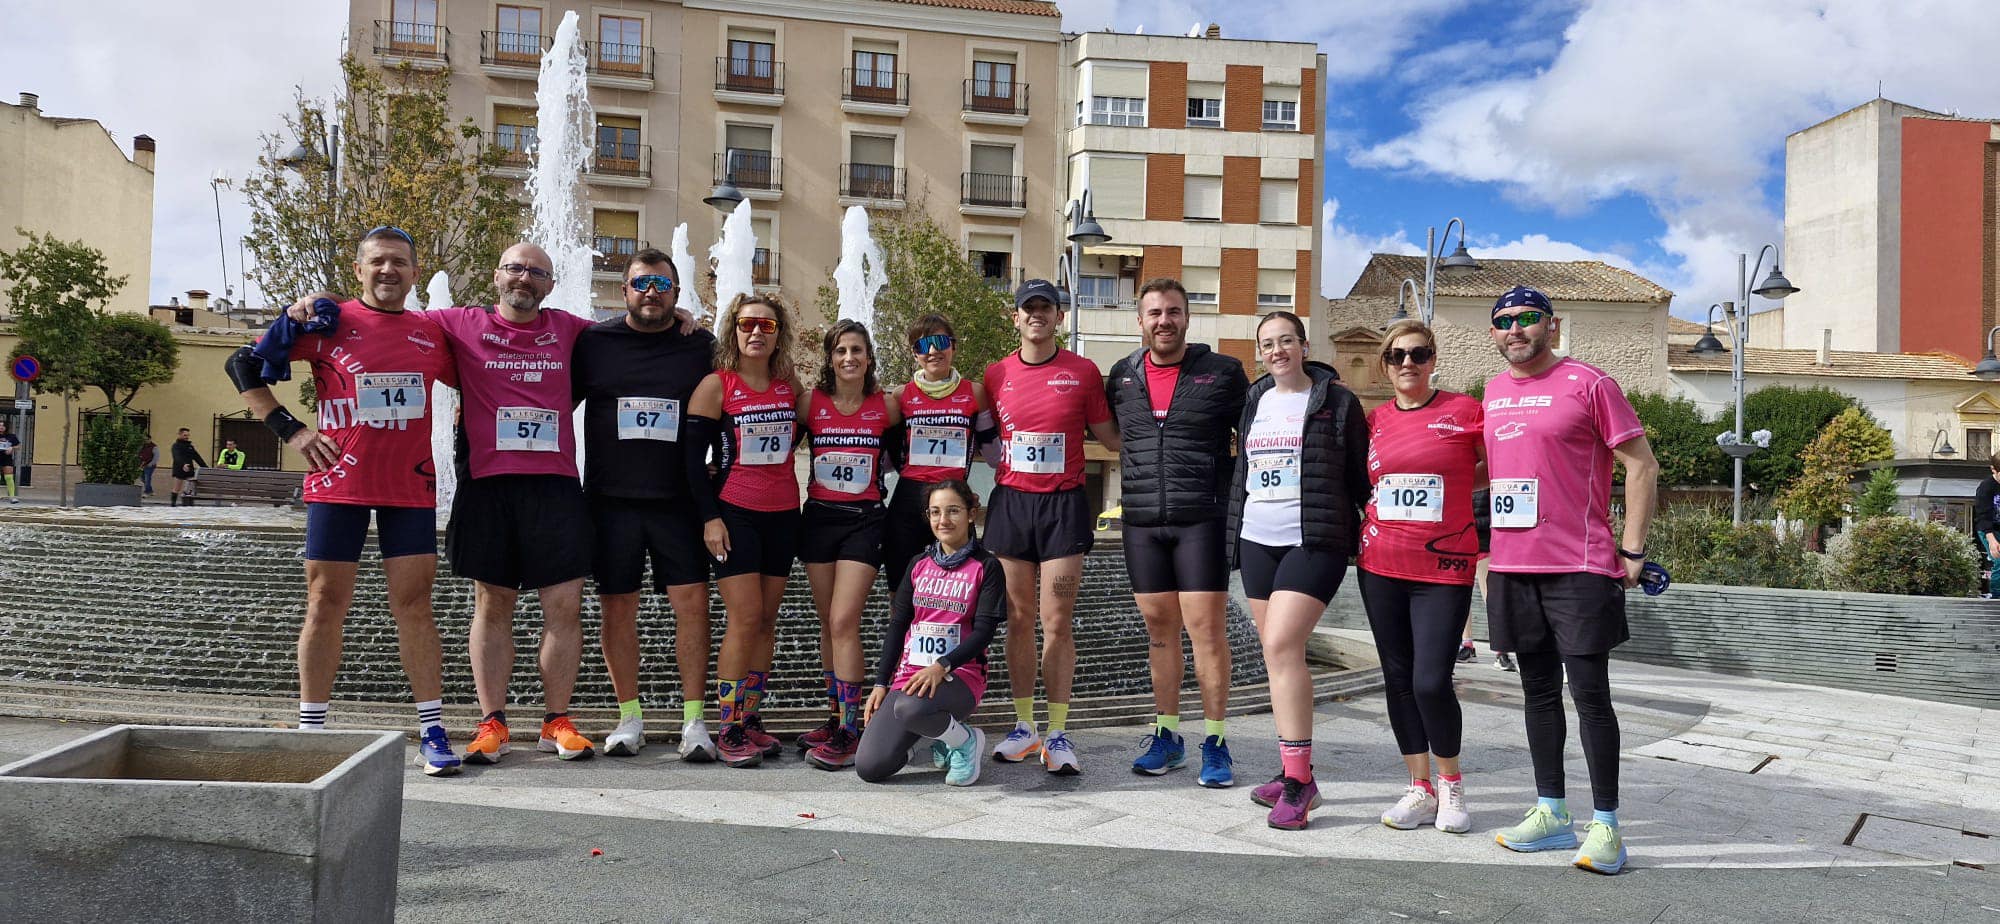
(1159, 261)
(1240, 190)
(1242, 99)
(1245, 352)
(1308, 100)
(1308, 196)
(1166, 94)
(1166, 186)
(1303, 285)
(1239, 280)
(1945, 222)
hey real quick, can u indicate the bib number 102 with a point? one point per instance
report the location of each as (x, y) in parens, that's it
(1410, 497)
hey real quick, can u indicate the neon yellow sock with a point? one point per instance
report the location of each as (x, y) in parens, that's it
(1024, 711)
(628, 710)
(690, 711)
(1171, 723)
(1212, 728)
(10, 485)
(1058, 717)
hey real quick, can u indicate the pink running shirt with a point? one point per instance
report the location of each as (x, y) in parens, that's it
(385, 435)
(1043, 410)
(945, 605)
(1548, 449)
(515, 385)
(1422, 463)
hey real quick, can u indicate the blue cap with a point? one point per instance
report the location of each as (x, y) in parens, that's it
(1037, 288)
(1523, 297)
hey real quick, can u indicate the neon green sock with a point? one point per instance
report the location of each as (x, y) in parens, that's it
(690, 711)
(10, 485)
(1058, 717)
(1212, 728)
(628, 710)
(1171, 723)
(1024, 711)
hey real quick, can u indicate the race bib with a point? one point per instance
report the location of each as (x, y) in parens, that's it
(1516, 503)
(649, 419)
(846, 472)
(1037, 453)
(381, 397)
(1274, 476)
(1415, 498)
(526, 429)
(764, 443)
(941, 447)
(930, 641)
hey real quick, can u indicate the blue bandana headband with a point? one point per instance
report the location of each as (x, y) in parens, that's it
(1523, 297)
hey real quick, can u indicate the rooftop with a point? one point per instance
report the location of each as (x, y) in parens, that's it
(1024, 7)
(1561, 280)
(1840, 364)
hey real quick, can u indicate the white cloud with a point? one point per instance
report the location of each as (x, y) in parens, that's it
(1344, 252)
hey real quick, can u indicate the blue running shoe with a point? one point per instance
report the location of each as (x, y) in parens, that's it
(1542, 829)
(434, 753)
(1164, 752)
(1217, 770)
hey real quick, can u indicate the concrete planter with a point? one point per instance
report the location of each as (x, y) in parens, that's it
(106, 495)
(154, 823)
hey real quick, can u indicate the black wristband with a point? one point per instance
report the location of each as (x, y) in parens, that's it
(1635, 556)
(281, 422)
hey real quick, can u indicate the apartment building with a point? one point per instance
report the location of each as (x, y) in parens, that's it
(70, 178)
(1202, 156)
(804, 107)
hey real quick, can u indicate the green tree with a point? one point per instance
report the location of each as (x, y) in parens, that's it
(1822, 493)
(55, 291)
(133, 351)
(401, 161)
(1879, 498)
(1682, 439)
(1794, 416)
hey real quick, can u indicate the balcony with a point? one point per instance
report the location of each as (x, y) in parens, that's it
(1007, 280)
(994, 102)
(864, 93)
(420, 44)
(993, 195)
(764, 267)
(627, 67)
(517, 55)
(749, 81)
(873, 185)
(616, 164)
(756, 174)
(613, 253)
(514, 161)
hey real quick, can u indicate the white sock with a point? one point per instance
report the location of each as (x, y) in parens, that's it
(430, 714)
(312, 715)
(955, 735)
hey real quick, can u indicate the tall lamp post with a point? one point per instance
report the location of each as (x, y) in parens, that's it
(1774, 287)
(1084, 232)
(1459, 263)
(319, 145)
(1988, 369)
(215, 185)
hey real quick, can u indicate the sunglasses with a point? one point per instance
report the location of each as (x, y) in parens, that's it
(651, 283)
(523, 269)
(934, 343)
(757, 325)
(1420, 355)
(1524, 319)
(393, 231)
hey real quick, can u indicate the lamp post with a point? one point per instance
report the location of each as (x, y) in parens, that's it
(1943, 435)
(1774, 287)
(319, 144)
(1988, 369)
(1460, 263)
(215, 184)
(724, 197)
(1084, 232)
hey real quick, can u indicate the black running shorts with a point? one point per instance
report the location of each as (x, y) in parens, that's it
(520, 531)
(1184, 559)
(760, 542)
(1038, 527)
(1572, 614)
(629, 531)
(1268, 569)
(906, 530)
(841, 532)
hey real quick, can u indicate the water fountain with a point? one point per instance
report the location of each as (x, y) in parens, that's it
(684, 271)
(444, 410)
(859, 275)
(563, 126)
(733, 253)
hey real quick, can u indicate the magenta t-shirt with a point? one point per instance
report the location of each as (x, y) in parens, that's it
(514, 379)
(1548, 455)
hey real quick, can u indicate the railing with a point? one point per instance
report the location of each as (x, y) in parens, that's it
(614, 252)
(522, 49)
(614, 158)
(1008, 280)
(611, 59)
(749, 170)
(1006, 97)
(993, 189)
(749, 75)
(411, 39)
(871, 181)
(764, 267)
(514, 157)
(866, 87)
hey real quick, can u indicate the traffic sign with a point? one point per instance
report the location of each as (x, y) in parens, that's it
(27, 368)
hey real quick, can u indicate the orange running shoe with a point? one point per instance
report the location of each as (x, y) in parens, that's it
(489, 743)
(561, 737)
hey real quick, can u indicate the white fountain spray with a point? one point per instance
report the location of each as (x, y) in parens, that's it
(684, 272)
(563, 119)
(733, 254)
(859, 275)
(443, 411)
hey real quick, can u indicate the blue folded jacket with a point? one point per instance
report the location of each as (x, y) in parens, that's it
(275, 347)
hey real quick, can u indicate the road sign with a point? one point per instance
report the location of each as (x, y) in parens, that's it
(27, 368)
(24, 404)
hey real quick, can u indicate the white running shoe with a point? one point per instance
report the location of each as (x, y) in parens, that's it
(1058, 757)
(1416, 809)
(696, 746)
(627, 738)
(1452, 818)
(1020, 744)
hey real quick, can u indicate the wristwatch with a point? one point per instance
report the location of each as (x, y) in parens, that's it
(1635, 556)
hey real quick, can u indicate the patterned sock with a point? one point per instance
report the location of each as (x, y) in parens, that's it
(629, 710)
(1171, 723)
(312, 715)
(690, 711)
(729, 700)
(1024, 711)
(753, 691)
(832, 694)
(1297, 759)
(1213, 728)
(1609, 818)
(1058, 717)
(849, 692)
(430, 714)
(1558, 806)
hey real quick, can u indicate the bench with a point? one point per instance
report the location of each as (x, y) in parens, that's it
(261, 485)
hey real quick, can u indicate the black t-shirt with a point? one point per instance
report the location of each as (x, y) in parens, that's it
(1986, 507)
(636, 386)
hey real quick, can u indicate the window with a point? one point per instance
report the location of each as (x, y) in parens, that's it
(871, 168)
(1119, 186)
(519, 32)
(993, 79)
(615, 236)
(874, 70)
(1204, 105)
(993, 159)
(1978, 444)
(1117, 110)
(747, 156)
(514, 132)
(617, 142)
(1202, 198)
(1096, 291)
(1268, 300)
(619, 42)
(752, 61)
(1278, 201)
(1281, 115)
(1202, 284)
(414, 23)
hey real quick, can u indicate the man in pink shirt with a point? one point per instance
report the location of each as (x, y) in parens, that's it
(1556, 593)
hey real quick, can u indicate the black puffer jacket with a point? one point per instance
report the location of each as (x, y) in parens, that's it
(1175, 472)
(1333, 465)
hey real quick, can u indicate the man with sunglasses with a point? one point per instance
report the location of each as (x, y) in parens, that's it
(1555, 428)
(1177, 405)
(634, 375)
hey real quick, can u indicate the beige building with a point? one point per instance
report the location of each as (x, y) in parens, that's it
(1202, 156)
(69, 177)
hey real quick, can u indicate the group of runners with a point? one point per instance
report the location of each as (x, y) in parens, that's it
(690, 441)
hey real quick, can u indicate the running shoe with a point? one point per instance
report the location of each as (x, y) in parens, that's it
(837, 752)
(489, 743)
(627, 738)
(753, 727)
(1452, 817)
(1503, 661)
(1603, 850)
(818, 735)
(1266, 794)
(963, 761)
(1218, 771)
(1164, 751)
(941, 755)
(1466, 652)
(1540, 829)
(736, 748)
(1020, 744)
(1058, 757)
(1417, 808)
(434, 753)
(696, 747)
(560, 737)
(1295, 802)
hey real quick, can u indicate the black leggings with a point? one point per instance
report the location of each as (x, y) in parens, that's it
(901, 720)
(1590, 690)
(1416, 628)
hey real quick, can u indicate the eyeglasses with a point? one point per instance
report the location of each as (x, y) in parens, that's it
(393, 231)
(1523, 319)
(1282, 343)
(1421, 355)
(757, 325)
(934, 343)
(651, 283)
(523, 269)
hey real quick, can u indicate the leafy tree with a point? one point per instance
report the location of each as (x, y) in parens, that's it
(1682, 439)
(1822, 494)
(401, 161)
(133, 351)
(110, 450)
(56, 290)
(1879, 498)
(1794, 416)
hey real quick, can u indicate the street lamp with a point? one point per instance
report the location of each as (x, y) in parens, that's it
(724, 197)
(1946, 450)
(1988, 369)
(1458, 264)
(215, 185)
(1406, 293)
(1774, 287)
(1708, 345)
(1084, 232)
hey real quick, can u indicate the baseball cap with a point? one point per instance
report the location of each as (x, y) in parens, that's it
(1522, 297)
(1037, 288)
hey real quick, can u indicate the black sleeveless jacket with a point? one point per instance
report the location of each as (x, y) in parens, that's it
(1333, 465)
(1175, 472)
